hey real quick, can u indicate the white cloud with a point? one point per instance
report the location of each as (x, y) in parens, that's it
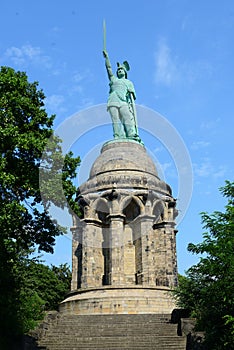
(199, 144)
(77, 88)
(158, 149)
(166, 68)
(166, 170)
(78, 77)
(185, 22)
(210, 124)
(80, 82)
(206, 169)
(82, 76)
(220, 172)
(55, 103)
(170, 69)
(55, 29)
(25, 54)
(85, 102)
(203, 169)
(166, 166)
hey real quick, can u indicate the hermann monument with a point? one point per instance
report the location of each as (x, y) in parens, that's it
(124, 246)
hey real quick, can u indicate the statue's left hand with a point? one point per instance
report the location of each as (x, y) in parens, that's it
(105, 54)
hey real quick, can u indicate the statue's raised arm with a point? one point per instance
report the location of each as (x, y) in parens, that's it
(121, 101)
(108, 64)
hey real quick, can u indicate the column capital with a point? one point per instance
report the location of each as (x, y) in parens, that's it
(116, 216)
(164, 224)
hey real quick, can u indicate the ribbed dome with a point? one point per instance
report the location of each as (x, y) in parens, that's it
(123, 155)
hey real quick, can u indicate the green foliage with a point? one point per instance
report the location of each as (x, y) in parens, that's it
(31, 309)
(51, 284)
(27, 135)
(42, 289)
(207, 289)
(25, 130)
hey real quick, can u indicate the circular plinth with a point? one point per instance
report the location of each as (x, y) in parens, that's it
(118, 300)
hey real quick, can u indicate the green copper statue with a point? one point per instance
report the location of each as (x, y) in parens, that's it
(121, 102)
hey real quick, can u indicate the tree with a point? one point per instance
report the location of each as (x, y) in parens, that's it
(43, 288)
(207, 289)
(25, 223)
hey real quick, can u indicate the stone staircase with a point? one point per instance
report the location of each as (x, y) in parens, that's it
(115, 332)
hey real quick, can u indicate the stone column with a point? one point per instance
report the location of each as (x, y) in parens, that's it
(171, 259)
(166, 261)
(92, 256)
(161, 254)
(146, 224)
(116, 249)
(172, 256)
(77, 230)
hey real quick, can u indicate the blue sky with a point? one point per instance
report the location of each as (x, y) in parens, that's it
(181, 55)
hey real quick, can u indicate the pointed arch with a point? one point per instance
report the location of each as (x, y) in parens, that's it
(101, 207)
(131, 207)
(158, 210)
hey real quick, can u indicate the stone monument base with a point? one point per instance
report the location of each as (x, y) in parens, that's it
(118, 300)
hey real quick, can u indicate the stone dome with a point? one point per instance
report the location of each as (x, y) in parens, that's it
(123, 155)
(123, 164)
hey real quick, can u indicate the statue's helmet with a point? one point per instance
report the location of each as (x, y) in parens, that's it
(125, 66)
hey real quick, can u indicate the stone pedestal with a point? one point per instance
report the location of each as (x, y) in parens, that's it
(124, 246)
(118, 300)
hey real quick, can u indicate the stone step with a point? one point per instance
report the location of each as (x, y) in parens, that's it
(156, 346)
(106, 333)
(112, 328)
(110, 322)
(108, 341)
(156, 318)
(120, 337)
(119, 332)
(160, 346)
(120, 347)
(153, 346)
(112, 325)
